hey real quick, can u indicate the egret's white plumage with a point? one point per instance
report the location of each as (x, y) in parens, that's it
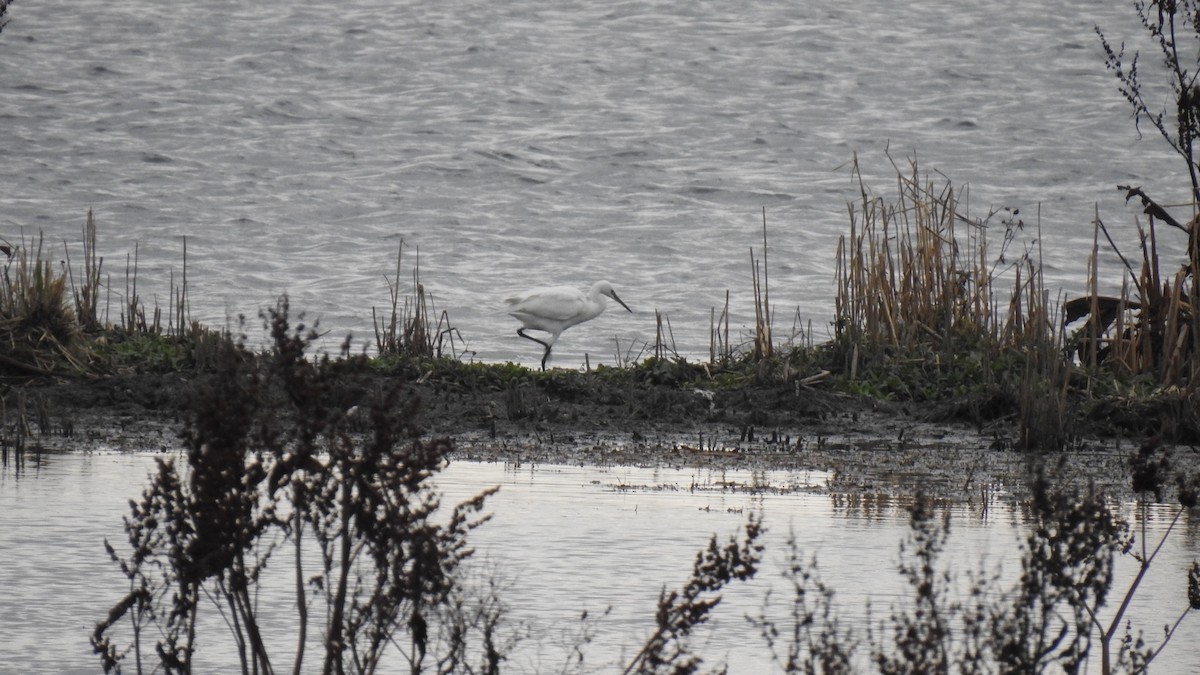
(556, 308)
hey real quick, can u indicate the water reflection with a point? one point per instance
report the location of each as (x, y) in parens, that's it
(19, 459)
(877, 506)
(565, 541)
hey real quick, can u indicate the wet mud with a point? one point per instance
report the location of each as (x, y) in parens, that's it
(866, 445)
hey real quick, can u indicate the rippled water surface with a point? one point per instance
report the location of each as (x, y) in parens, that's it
(563, 540)
(523, 143)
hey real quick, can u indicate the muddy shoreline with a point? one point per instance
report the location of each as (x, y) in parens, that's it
(867, 445)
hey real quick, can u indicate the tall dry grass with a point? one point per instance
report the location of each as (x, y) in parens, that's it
(914, 271)
(1150, 328)
(1141, 347)
(410, 328)
(760, 344)
(720, 350)
(37, 326)
(922, 298)
(54, 319)
(86, 290)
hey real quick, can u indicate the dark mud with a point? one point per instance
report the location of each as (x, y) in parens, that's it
(572, 418)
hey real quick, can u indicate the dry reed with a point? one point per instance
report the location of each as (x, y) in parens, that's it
(763, 342)
(407, 330)
(918, 302)
(1150, 327)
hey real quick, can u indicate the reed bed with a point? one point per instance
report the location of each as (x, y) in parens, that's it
(1150, 328)
(925, 309)
(904, 280)
(37, 326)
(55, 320)
(1141, 347)
(406, 329)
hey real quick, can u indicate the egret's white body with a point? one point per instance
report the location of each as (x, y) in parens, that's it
(556, 308)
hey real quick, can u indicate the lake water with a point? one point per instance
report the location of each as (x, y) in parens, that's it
(520, 144)
(563, 539)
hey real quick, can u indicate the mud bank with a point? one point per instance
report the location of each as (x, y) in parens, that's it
(866, 445)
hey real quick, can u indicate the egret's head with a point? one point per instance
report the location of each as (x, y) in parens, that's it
(606, 288)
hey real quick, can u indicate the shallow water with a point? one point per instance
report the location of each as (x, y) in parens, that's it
(564, 539)
(519, 144)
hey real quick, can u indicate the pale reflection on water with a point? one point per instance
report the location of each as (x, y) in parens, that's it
(563, 540)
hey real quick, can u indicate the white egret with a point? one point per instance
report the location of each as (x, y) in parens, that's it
(557, 308)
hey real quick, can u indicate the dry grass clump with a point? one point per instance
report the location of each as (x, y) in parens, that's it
(55, 320)
(407, 330)
(925, 311)
(1143, 344)
(921, 309)
(1150, 327)
(37, 325)
(86, 292)
(905, 280)
(760, 345)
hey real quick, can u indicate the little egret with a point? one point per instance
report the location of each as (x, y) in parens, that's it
(557, 308)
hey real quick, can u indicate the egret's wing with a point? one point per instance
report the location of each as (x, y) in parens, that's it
(558, 303)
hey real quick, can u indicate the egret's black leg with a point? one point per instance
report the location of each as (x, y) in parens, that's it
(522, 333)
(546, 354)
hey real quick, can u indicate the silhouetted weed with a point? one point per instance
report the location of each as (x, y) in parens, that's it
(270, 466)
(1047, 621)
(680, 612)
(813, 641)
